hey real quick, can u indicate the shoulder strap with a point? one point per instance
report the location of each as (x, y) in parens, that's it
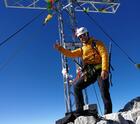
(94, 46)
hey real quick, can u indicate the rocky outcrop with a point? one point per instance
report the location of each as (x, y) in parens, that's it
(132, 105)
(130, 114)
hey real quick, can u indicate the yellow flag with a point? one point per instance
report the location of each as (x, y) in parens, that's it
(49, 16)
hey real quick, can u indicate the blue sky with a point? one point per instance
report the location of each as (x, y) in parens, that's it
(31, 86)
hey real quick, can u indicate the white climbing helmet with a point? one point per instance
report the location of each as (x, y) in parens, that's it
(80, 31)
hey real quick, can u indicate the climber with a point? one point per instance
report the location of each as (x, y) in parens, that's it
(95, 67)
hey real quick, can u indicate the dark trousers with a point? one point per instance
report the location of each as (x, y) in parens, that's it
(104, 89)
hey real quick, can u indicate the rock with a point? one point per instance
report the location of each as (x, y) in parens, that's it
(70, 123)
(131, 116)
(138, 120)
(107, 122)
(133, 104)
(85, 120)
(115, 118)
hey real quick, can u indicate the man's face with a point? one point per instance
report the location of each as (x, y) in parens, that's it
(84, 37)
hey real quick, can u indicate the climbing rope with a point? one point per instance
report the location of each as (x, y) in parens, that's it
(22, 28)
(14, 53)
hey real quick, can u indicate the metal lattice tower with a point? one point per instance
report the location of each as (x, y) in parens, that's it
(67, 9)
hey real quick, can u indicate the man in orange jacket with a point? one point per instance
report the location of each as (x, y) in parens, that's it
(96, 66)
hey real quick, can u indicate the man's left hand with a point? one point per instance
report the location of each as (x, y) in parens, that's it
(104, 75)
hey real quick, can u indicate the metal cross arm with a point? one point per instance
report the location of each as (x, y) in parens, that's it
(26, 4)
(100, 6)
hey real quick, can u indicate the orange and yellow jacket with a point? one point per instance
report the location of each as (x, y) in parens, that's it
(90, 55)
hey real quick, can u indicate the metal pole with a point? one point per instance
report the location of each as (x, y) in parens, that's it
(64, 61)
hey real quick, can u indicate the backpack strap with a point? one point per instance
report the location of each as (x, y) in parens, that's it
(95, 47)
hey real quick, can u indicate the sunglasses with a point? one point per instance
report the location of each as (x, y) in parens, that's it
(83, 35)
